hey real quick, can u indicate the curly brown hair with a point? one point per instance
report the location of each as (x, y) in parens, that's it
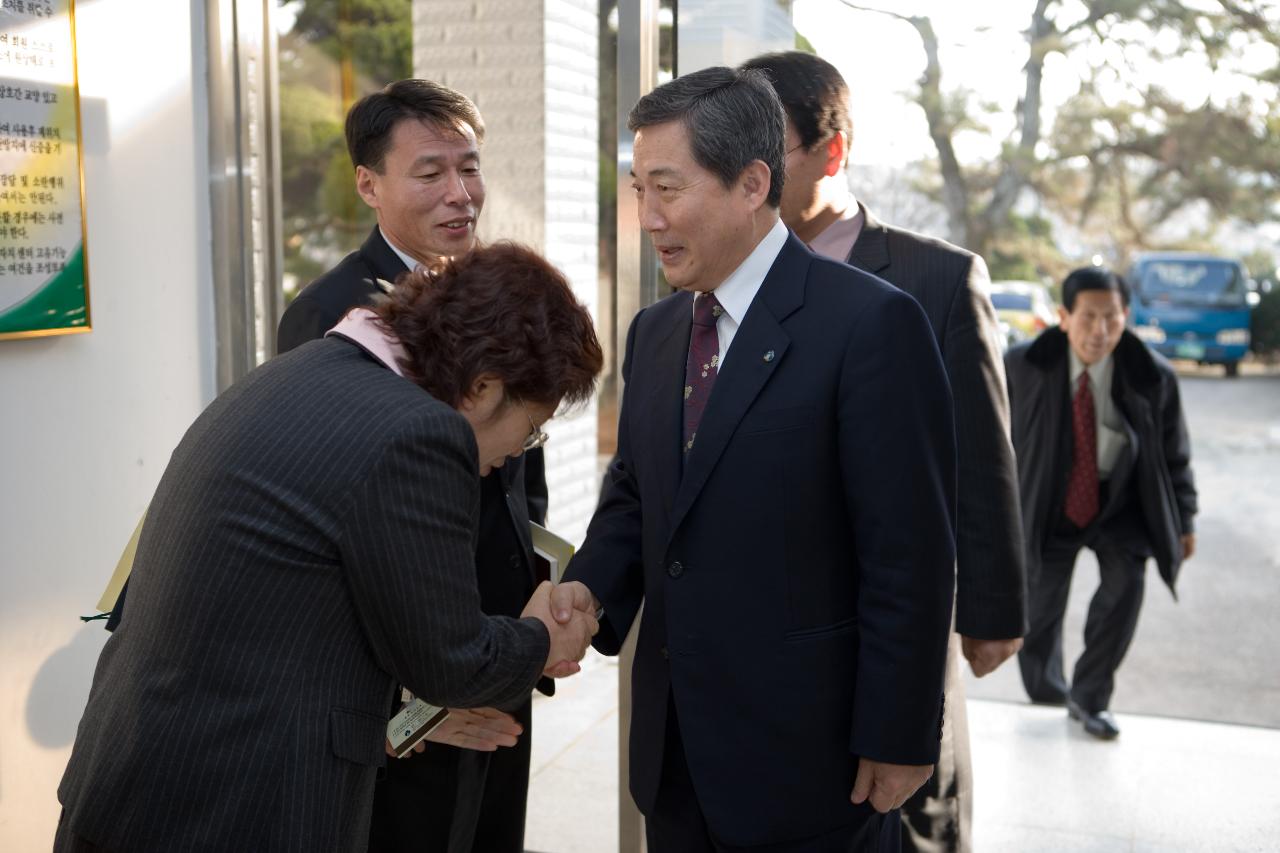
(500, 310)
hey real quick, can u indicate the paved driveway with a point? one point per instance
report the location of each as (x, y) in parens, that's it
(1214, 654)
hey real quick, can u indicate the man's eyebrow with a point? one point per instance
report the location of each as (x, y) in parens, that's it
(659, 172)
(437, 159)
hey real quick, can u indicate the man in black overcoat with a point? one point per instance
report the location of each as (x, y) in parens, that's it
(1104, 462)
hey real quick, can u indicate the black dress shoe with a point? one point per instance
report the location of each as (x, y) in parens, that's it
(1101, 725)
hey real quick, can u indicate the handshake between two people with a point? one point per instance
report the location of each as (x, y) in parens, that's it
(568, 610)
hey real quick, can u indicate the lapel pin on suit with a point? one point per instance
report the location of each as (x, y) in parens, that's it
(769, 356)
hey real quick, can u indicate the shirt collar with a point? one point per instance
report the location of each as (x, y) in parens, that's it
(837, 240)
(361, 326)
(739, 289)
(1099, 371)
(409, 262)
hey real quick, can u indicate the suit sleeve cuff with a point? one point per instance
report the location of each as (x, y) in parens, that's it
(988, 616)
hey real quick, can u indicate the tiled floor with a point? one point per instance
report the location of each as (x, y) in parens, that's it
(1043, 786)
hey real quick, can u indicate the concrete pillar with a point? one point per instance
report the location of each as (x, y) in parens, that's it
(530, 66)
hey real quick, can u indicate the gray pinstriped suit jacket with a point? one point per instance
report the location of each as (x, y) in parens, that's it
(946, 281)
(309, 546)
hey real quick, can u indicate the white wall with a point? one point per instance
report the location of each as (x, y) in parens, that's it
(87, 422)
(570, 190)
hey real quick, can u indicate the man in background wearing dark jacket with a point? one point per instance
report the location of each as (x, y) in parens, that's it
(1103, 463)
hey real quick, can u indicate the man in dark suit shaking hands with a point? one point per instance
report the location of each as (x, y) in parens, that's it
(947, 282)
(781, 502)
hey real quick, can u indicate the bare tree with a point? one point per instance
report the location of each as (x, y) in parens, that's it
(1134, 164)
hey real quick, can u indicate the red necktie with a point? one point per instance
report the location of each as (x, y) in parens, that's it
(1082, 486)
(704, 360)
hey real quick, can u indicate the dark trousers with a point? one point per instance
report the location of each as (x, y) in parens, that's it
(676, 823)
(1109, 626)
(451, 800)
(938, 818)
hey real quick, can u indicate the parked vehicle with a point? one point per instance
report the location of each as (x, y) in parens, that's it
(1024, 308)
(1193, 306)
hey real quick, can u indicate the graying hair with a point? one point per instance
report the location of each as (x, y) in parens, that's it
(733, 117)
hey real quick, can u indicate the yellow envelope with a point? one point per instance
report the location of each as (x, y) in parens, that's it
(121, 574)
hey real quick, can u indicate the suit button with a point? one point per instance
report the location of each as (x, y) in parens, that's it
(664, 653)
(676, 569)
(516, 562)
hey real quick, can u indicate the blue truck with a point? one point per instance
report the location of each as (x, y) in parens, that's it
(1192, 306)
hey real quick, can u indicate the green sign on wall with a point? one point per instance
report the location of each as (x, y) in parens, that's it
(44, 288)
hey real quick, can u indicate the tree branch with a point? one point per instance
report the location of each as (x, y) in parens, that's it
(1126, 204)
(955, 189)
(857, 8)
(1020, 162)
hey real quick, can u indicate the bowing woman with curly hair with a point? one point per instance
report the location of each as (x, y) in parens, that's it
(309, 548)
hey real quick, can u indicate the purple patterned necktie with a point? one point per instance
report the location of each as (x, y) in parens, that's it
(704, 359)
(1081, 505)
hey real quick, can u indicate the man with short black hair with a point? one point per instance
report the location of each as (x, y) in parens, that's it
(781, 502)
(1104, 462)
(415, 147)
(947, 281)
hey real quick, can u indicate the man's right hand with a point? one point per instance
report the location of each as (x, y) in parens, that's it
(887, 786)
(569, 641)
(984, 656)
(569, 596)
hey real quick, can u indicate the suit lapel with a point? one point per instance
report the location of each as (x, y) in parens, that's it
(870, 251)
(758, 348)
(664, 400)
(1057, 426)
(381, 259)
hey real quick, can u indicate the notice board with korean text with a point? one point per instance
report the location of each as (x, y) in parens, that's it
(44, 287)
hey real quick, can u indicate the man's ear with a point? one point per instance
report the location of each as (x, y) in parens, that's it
(837, 154)
(367, 186)
(754, 181)
(1063, 316)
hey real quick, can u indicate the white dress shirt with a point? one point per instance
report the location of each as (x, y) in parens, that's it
(1111, 434)
(409, 262)
(739, 290)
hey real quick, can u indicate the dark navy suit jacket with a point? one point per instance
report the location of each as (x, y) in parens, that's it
(796, 567)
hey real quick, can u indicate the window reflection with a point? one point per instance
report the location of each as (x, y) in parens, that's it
(332, 52)
(609, 325)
